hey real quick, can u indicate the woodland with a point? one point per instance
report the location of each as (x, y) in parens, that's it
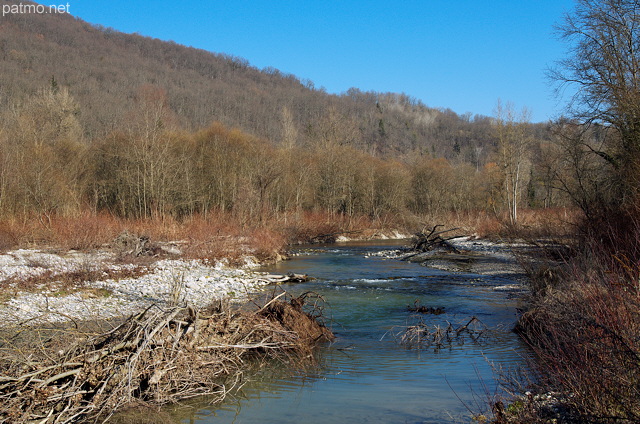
(97, 121)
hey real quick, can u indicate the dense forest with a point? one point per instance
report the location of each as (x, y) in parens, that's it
(94, 119)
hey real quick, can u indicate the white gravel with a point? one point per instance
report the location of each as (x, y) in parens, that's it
(168, 280)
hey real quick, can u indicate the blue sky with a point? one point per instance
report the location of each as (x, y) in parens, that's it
(463, 55)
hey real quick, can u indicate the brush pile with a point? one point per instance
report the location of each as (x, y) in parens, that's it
(425, 242)
(422, 336)
(159, 356)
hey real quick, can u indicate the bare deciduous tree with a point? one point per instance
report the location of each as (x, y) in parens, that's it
(289, 130)
(513, 154)
(603, 66)
(43, 155)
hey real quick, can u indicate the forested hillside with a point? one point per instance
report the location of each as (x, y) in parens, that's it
(104, 71)
(94, 119)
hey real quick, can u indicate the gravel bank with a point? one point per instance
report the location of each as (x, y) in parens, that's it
(163, 282)
(477, 256)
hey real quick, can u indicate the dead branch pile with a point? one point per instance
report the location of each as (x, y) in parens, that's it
(156, 357)
(425, 242)
(289, 314)
(288, 278)
(424, 336)
(128, 244)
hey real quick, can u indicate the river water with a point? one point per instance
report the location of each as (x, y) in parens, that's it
(367, 375)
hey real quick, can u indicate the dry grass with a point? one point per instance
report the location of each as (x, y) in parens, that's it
(215, 236)
(221, 234)
(93, 230)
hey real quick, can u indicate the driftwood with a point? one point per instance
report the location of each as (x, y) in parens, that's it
(422, 242)
(158, 356)
(421, 309)
(128, 244)
(288, 278)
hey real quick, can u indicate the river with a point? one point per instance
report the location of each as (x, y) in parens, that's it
(367, 375)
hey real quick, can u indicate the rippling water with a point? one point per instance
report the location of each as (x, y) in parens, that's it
(366, 376)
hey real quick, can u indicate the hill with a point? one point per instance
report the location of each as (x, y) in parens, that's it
(105, 70)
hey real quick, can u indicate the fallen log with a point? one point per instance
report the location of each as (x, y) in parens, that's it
(288, 278)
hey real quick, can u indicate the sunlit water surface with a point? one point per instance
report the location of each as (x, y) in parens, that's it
(366, 376)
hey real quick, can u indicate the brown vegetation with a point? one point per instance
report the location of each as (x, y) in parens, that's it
(70, 280)
(584, 323)
(191, 133)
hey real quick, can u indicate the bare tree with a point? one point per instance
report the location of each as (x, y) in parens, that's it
(513, 152)
(150, 159)
(289, 130)
(43, 154)
(574, 169)
(603, 65)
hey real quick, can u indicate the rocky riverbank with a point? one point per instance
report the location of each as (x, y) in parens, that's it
(84, 335)
(44, 286)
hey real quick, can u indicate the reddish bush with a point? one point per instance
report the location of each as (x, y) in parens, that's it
(584, 330)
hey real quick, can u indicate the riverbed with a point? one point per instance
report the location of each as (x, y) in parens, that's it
(367, 375)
